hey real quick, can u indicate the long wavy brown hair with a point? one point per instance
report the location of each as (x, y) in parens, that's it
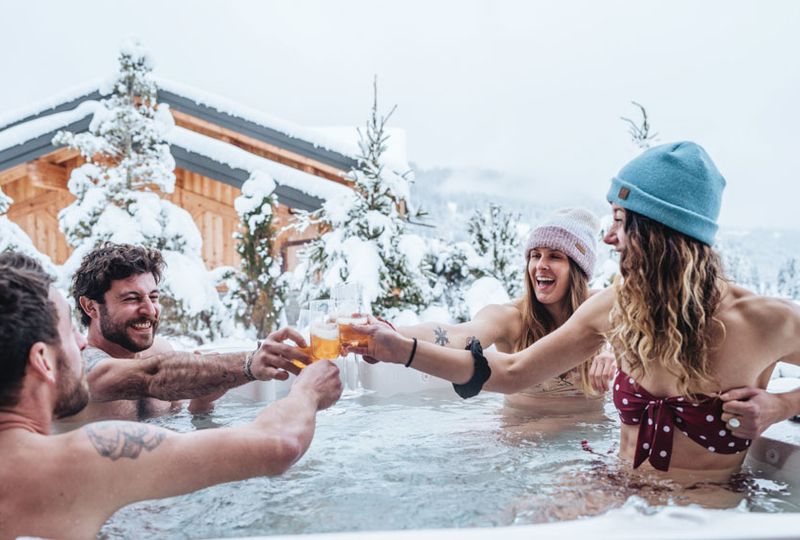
(664, 313)
(537, 321)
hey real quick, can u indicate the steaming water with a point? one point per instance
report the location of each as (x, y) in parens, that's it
(423, 460)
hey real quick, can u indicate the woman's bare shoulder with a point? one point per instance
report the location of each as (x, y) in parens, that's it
(508, 313)
(765, 314)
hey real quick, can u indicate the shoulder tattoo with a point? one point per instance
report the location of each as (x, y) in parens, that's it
(441, 336)
(116, 440)
(93, 355)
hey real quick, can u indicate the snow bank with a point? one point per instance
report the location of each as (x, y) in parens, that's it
(484, 291)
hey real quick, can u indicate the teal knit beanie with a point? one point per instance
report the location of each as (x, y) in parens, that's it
(674, 184)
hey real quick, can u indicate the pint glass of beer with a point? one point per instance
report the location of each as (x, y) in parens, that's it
(324, 339)
(347, 334)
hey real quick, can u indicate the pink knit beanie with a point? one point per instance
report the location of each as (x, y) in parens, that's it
(572, 231)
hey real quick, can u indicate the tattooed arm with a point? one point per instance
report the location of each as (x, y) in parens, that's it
(173, 376)
(122, 462)
(494, 324)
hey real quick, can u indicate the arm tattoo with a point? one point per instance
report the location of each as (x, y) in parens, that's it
(123, 439)
(441, 336)
(92, 356)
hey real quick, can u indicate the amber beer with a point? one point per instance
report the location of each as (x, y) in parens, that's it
(349, 335)
(324, 340)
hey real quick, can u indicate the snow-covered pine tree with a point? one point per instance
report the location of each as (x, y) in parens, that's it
(127, 162)
(494, 236)
(451, 269)
(257, 290)
(5, 203)
(789, 279)
(364, 242)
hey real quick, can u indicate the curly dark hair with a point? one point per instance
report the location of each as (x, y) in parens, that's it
(27, 316)
(109, 263)
(21, 261)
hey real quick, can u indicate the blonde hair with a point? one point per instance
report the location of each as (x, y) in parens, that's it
(665, 304)
(537, 321)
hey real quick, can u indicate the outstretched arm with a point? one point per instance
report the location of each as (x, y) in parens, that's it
(579, 338)
(175, 375)
(127, 461)
(501, 324)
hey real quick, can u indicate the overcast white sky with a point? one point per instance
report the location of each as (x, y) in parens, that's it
(532, 88)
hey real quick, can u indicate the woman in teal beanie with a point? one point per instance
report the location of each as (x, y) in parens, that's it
(691, 345)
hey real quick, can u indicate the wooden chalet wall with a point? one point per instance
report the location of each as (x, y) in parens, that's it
(39, 191)
(211, 205)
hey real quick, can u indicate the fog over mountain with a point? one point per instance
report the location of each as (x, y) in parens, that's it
(450, 196)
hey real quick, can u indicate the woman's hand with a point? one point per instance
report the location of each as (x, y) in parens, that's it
(384, 343)
(602, 370)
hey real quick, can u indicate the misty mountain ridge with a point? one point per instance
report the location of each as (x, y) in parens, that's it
(451, 195)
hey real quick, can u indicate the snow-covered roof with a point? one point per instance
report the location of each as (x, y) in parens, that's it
(237, 158)
(66, 99)
(21, 133)
(335, 146)
(237, 110)
(41, 130)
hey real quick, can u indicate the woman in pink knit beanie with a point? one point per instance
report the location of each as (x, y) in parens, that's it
(560, 255)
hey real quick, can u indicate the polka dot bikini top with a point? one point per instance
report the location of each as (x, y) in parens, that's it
(658, 418)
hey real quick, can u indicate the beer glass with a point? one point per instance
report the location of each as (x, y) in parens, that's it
(324, 339)
(323, 330)
(303, 327)
(350, 309)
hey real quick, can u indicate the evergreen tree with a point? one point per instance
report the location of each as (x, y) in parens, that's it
(451, 269)
(789, 279)
(5, 203)
(494, 235)
(366, 229)
(258, 291)
(127, 164)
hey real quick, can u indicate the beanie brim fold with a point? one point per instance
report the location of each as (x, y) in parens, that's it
(632, 198)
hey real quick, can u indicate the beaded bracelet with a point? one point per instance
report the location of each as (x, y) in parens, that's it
(248, 364)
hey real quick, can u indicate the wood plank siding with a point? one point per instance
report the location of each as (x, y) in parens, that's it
(39, 191)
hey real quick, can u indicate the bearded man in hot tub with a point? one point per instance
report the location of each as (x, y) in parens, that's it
(132, 373)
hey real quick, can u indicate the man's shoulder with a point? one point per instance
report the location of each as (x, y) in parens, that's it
(93, 355)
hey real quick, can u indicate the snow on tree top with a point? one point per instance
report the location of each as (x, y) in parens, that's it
(394, 157)
(133, 47)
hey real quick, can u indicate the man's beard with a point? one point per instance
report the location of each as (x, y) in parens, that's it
(73, 392)
(116, 331)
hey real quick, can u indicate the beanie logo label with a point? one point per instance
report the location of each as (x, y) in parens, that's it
(623, 193)
(580, 248)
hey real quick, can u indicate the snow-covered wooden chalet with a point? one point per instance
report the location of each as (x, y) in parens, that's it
(216, 144)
